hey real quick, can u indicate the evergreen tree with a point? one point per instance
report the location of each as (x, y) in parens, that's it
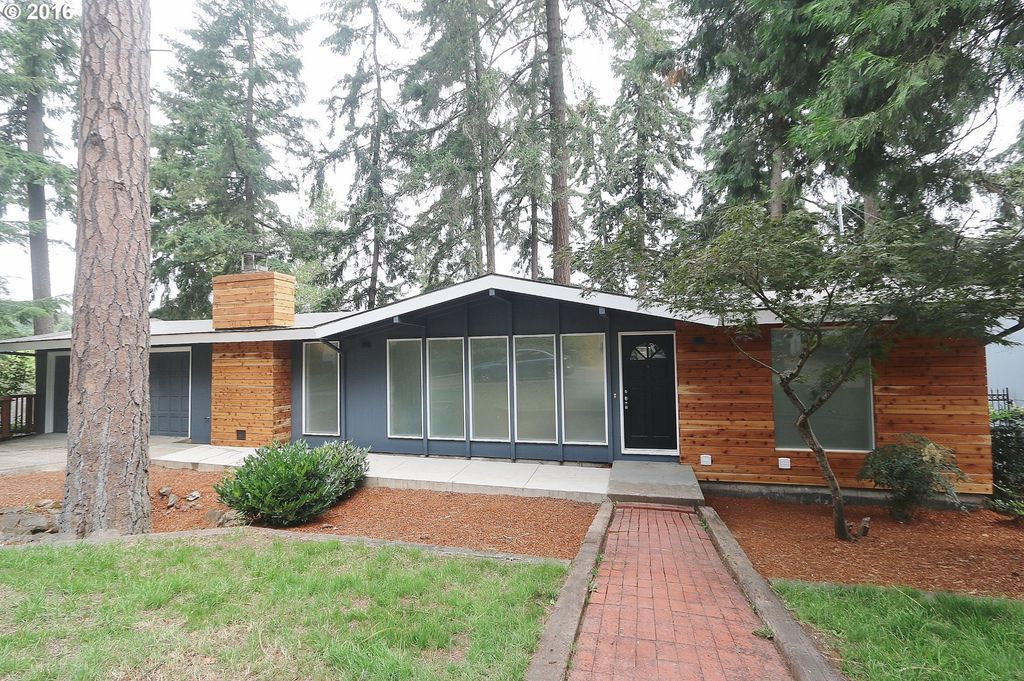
(450, 89)
(231, 121)
(364, 250)
(38, 76)
(642, 146)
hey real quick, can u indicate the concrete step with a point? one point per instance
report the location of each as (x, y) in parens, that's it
(654, 482)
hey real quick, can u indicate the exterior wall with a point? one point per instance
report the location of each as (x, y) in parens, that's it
(253, 299)
(932, 387)
(251, 391)
(364, 372)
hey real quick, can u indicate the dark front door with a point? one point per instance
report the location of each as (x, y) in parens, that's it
(61, 378)
(648, 392)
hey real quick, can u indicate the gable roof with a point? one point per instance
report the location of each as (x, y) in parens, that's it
(316, 325)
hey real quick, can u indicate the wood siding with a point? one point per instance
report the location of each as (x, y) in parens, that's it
(253, 300)
(933, 387)
(251, 391)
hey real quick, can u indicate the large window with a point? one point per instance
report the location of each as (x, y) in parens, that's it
(584, 413)
(535, 389)
(405, 388)
(321, 370)
(446, 408)
(845, 423)
(488, 373)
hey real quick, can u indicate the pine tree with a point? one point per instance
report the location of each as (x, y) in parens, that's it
(363, 248)
(450, 89)
(232, 122)
(38, 76)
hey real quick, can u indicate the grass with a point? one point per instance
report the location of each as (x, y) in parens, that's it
(246, 607)
(888, 633)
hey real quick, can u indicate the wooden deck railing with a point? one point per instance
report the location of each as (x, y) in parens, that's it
(17, 415)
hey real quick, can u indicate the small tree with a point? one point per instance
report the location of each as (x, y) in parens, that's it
(854, 291)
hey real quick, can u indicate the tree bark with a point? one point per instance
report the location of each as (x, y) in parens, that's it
(483, 130)
(250, 125)
(107, 480)
(534, 239)
(376, 181)
(775, 185)
(871, 209)
(38, 241)
(561, 257)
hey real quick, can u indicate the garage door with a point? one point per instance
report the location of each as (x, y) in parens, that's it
(168, 393)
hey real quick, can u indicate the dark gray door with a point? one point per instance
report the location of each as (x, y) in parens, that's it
(648, 392)
(168, 393)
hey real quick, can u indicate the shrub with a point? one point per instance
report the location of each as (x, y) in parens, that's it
(913, 469)
(289, 484)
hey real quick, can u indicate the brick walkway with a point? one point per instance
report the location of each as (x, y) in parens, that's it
(665, 607)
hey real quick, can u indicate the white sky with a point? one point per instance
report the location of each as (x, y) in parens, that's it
(588, 66)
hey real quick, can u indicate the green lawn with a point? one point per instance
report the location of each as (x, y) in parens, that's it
(906, 635)
(247, 607)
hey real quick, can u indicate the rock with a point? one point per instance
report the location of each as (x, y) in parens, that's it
(213, 517)
(193, 495)
(172, 501)
(17, 521)
(105, 533)
(44, 503)
(164, 491)
(218, 518)
(865, 527)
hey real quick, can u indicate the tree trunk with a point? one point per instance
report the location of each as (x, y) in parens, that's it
(250, 125)
(484, 133)
(107, 480)
(775, 185)
(38, 241)
(534, 239)
(871, 209)
(376, 181)
(561, 257)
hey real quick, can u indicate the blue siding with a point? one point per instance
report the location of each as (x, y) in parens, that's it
(364, 371)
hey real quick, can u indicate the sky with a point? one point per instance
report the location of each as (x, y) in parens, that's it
(588, 66)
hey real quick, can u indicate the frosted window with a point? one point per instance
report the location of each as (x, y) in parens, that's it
(583, 389)
(535, 388)
(320, 371)
(405, 388)
(446, 388)
(488, 358)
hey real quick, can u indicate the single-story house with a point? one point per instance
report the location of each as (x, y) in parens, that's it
(519, 369)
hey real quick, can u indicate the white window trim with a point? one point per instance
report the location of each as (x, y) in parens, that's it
(871, 415)
(462, 346)
(561, 378)
(387, 378)
(337, 433)
(508, 379)
(674, 453)
(554, 385)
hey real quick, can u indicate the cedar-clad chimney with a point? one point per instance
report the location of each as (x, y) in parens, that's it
(256, 299)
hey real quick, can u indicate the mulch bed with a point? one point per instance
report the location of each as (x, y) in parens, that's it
(535, 526)
(972, 553)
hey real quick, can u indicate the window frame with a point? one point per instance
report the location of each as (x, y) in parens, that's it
(508, 383)
(462, 347)
(514, 413)
(872, 433)
(305, 412)
(387, 386)
(561, 385)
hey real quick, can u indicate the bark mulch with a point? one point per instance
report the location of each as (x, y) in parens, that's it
(972, 553)
(535, 526)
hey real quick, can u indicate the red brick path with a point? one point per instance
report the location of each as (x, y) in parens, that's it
(666, 608)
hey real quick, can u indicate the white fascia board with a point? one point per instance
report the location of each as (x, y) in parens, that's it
(175, 339)
(540, 289)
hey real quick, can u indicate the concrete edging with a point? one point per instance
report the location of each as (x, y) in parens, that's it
(803, 658)
(554, 650)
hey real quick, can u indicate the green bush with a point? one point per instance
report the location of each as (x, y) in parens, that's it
(913, 469)
(1008, 463)
(289, 484)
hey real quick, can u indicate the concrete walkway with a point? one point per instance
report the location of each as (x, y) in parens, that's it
(665, 607)
(34, 453)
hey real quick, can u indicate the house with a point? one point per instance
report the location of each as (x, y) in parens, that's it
(519, 369)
